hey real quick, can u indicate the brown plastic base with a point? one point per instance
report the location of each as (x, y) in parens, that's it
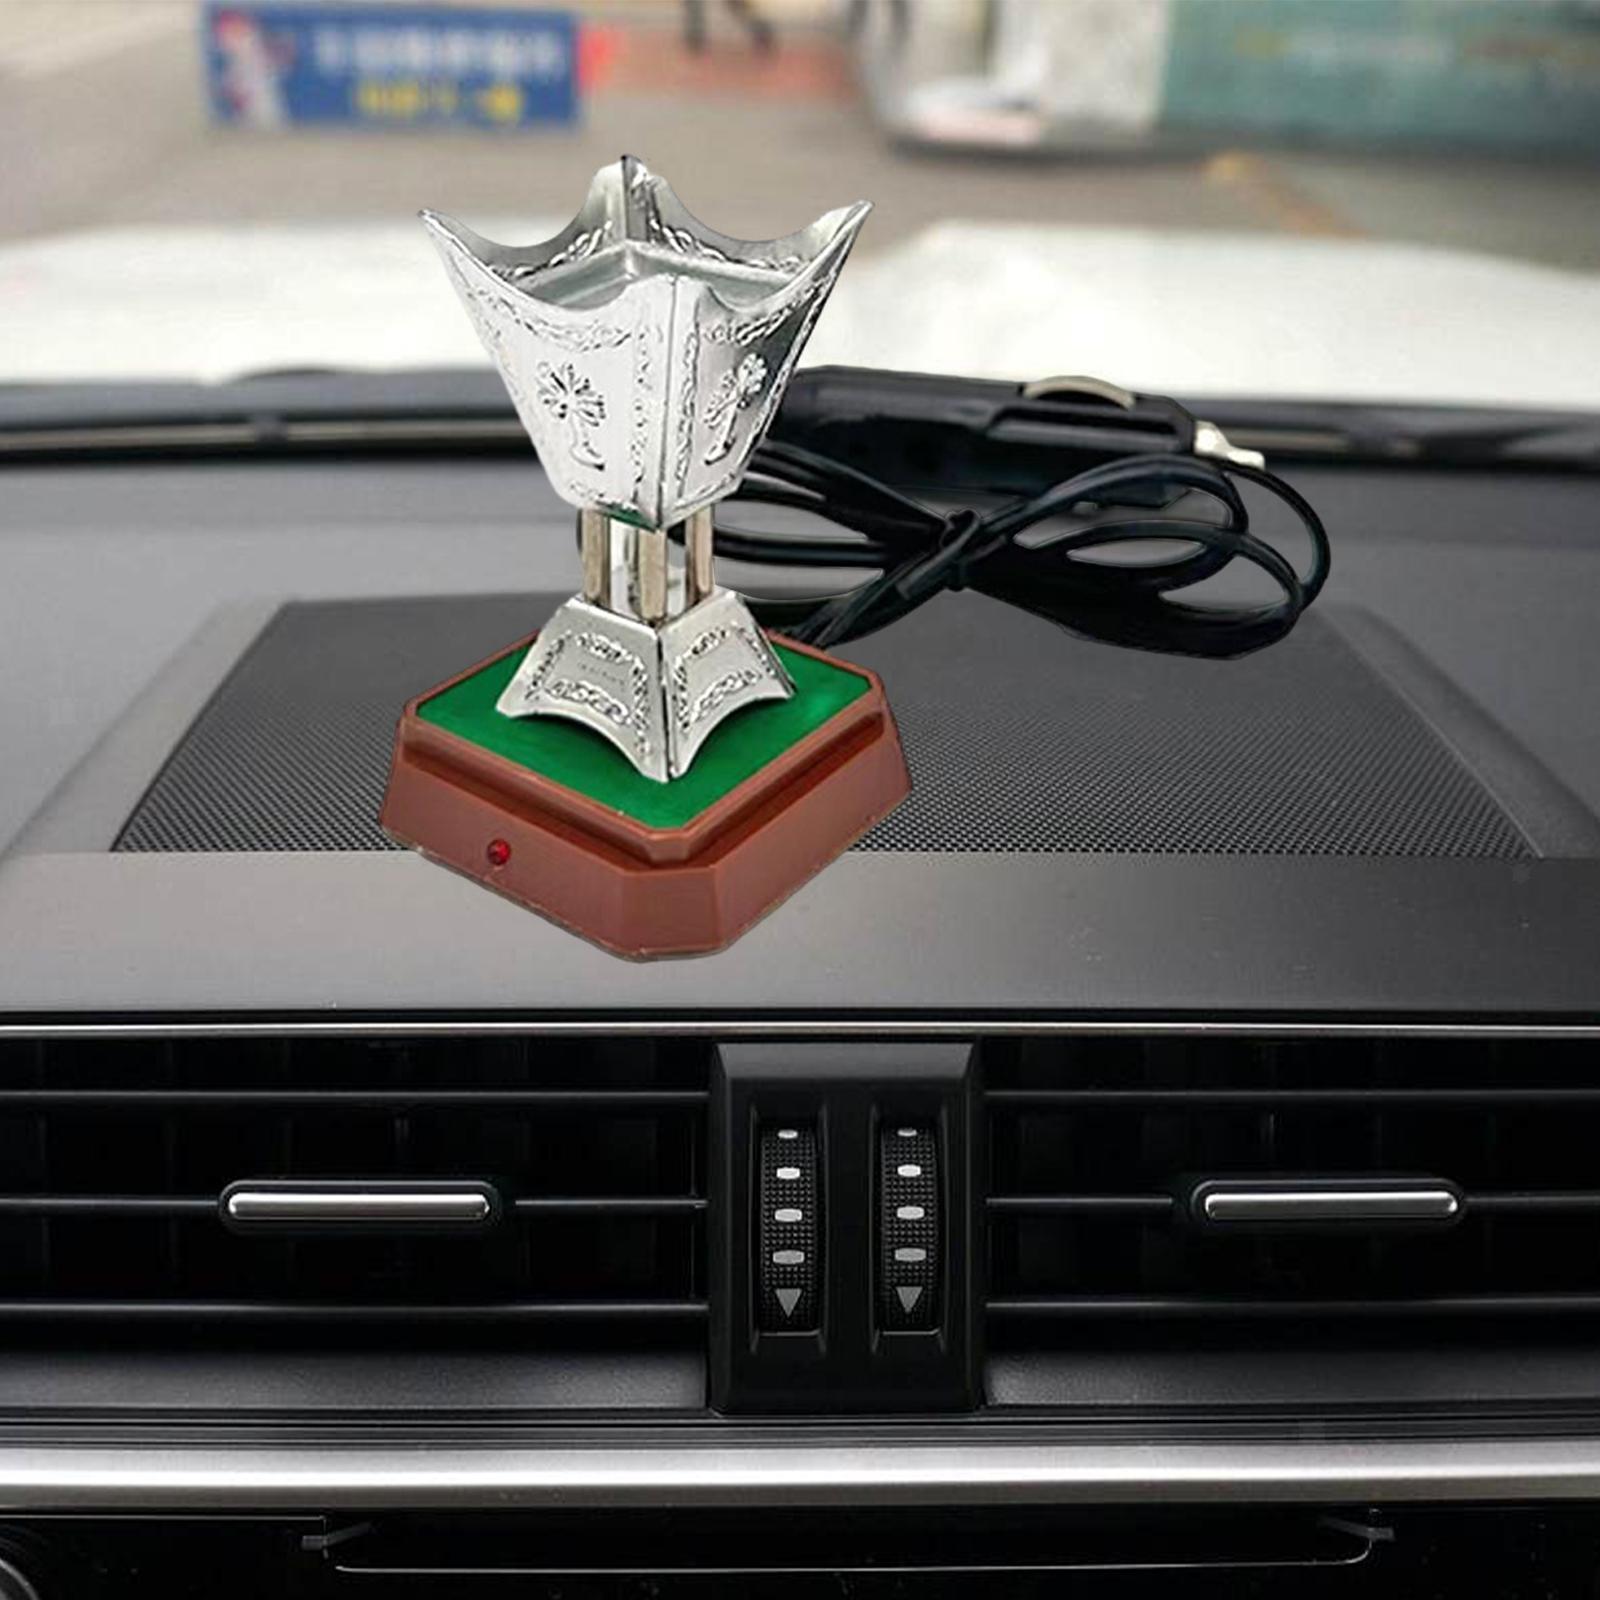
(641, 891)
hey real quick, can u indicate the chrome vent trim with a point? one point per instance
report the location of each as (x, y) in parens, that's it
(280, 1204)
(735, 1025)
(1324, 1202)
(795, 1471)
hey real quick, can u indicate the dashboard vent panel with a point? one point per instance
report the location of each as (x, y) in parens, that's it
(1463, 1175)
(115, 1157)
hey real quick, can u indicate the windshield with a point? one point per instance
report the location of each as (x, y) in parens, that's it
(1297, 199)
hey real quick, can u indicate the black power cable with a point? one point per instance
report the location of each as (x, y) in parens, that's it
(918, 551)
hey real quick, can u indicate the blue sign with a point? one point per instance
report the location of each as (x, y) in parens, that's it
(270, 66)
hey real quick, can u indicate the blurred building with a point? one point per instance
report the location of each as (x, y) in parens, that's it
(1484, 74)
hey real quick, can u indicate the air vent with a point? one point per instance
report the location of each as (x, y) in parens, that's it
(467, 1182)
(1224, 1178)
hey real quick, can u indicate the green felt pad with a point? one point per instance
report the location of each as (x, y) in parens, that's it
(578, 758)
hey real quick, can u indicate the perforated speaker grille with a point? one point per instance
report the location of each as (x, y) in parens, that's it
(1019, 737)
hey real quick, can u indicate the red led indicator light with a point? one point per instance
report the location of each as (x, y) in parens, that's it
(499, 852)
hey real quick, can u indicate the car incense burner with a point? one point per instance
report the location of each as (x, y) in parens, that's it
(651, 769)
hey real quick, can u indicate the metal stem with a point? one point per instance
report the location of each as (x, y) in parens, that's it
(594, 532)
(699, 574)
(650, 574)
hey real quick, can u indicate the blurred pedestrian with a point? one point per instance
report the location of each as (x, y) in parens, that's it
(762, 34)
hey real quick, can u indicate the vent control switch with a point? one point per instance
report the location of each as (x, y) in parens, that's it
(908, 1227)
(787, 1234)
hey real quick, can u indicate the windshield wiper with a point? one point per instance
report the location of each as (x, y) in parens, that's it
(270, 413)
(956, 433)
(1019, 430)
(1570, 441)
(1418, 435)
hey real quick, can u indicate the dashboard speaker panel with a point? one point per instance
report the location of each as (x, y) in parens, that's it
(1019, 737)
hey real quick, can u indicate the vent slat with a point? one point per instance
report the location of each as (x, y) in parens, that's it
(145, 1205)
(1044, 1205)
(1549, 1202)
(1196, 1308)
(106, 1205)
(677, 1205)
(379, 1099)
(84, 1309)
(1095, 1148)
(1254, 1099)
(1163, 1205)
(115, 1154)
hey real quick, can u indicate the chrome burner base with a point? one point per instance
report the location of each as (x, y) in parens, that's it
(657, 693)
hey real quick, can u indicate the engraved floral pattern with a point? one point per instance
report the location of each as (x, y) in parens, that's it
(734, 392)
(571, 399)
(537, 687)
(583, 246)
(578, 692)
(687, 713)
(722, 691)
(689, 358)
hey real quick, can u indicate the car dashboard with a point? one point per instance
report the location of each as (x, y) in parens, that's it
(1159, 1159)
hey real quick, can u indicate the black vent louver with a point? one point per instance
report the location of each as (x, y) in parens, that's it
(1434, 1178)
(116, 1156)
